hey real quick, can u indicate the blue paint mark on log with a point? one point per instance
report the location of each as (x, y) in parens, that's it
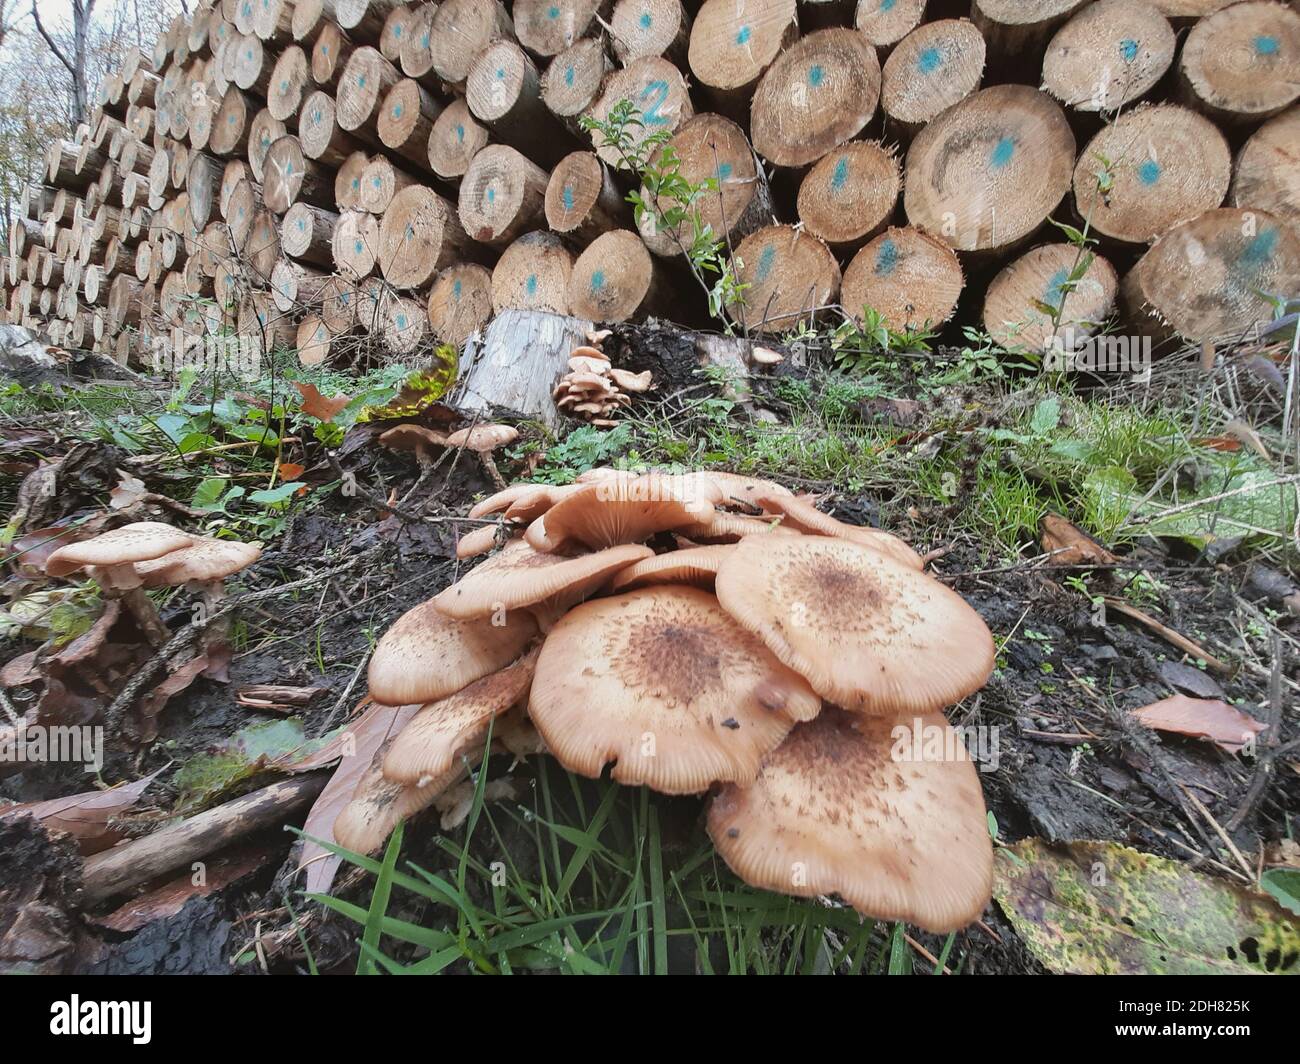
(841, 175)
(743, 36)
(1267, 44)
(887, 258)
(1129, 50)
(1002, 154)
(1260, 250)
(1054, 294)
(532, 284)
(646, 20)
(765, 262)
(1149, 172)
(455, 291)
(928, 61)
(597, 281)
(568, 197)
(816, 75)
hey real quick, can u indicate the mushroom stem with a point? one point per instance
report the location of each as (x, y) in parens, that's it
(490, 468)
(145, 614)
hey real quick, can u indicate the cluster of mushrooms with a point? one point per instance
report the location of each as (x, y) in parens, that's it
(594, 390)
(706, 632)
(151, 554)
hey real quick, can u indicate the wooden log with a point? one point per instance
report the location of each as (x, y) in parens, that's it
(321, 136)
(395, 33)
(461, 31)
(658, 91)
(364, 19)
(732, 43)
(420, 235)
(460, 302)
(405, 327)
(454, 139)
(136, 158)
(202, 183)
(712, 147)
(245, 205)
(533, 274)
(124, 302)
(641, 28)
(986, 173)
(143, 89)
(273, 21)
(415, 59)
(289, 176)
(339, 305)
(1108, 55)
(850, 194)
(122, 868)
(297, 287)
(503, 91)
(373, 299)
(818, 94)
(144, 260)
(290, 81)
(248, 65)
(347, 182)
(937, 65)
(582, 200)
(307, 234)
(269, 328)
(367, 79)
(356, 244)
(1266, 176)
(380, 182)
(886, 22)
(406, 120)
(235, 171)
(264, 131)
(572, 80)
(502, 195)
(547, 27)
(1183, 13)
(1017, 31)
(1241, 65)
(616, 279)
(231, 125)
(1207, 279)
(329, 56)
(513, 369)
(310, 17)
(1016, 304)
(312, 339)
(791, 276)
(1149, 170)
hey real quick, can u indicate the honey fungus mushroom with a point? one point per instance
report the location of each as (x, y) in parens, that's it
(483, 440)
(833, 810)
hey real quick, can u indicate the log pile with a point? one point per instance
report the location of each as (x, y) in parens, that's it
(348, 178)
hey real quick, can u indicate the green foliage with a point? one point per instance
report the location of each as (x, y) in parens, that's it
(579, 451)
(671, 202)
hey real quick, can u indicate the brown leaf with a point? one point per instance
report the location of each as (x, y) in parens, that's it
(278, 697)
(291, 470)
(316, 405)
(129, 491)
(86, 816)
(1201, 718)
(1239, 430)
(355, 748)
(1069, 545)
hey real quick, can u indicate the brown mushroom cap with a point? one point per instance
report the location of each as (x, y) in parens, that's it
(203, 561)
(632, 382)
(695, 565)
(738, 488)
(378, 804)
(483, 438)
(412, 438)
(662, 682)
(724, 528)
(429, 746)
(138, 542)
(426, 655)
(589, 364)
(869, 633)
(832, 811)
(624, 510)
(477, 541)
(522, 576)
(803, 516)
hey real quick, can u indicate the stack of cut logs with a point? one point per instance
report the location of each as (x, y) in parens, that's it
(345, 176)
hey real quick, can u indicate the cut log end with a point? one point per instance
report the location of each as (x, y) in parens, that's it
(850, 194)
(1242, 64)
(936, 66)
(533, 274)
(1018, 301)
(790, 275)
(911, 279)
(614, 279)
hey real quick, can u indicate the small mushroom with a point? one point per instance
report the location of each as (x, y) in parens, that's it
(426, 655)
(642, 679)
(589, 364)
(765, 356)
(834, 811)
(610, 512)
(483, 440)
(203, 565)
(631, 382)
(431, 743)
(869, 633)
(416, 438)
(110, 559)
(596, 337)
(479, 540)
(378, 804)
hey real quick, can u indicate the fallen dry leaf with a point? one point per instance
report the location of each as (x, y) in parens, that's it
(316, 405)
(129, 490)
(1239, 430)
(1070, 545)
(291, 470)
(1201, 718)
(86, 816)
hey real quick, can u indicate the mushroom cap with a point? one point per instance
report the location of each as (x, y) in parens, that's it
(725, 528)
(378, 804)
(624, 510)
(140, 541)
(589, 363)
(588, 382)
(694, 565)
(663, 683)
(483, 437)
(411, 437)
(430, 744)
(204, 560)
(833, 810)
(738, 488)
(477, 541)
(803, 516)
(869, 634)
(765, 356)
(426, 655)
(632, 382)
(500, 501)
(522, 576)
